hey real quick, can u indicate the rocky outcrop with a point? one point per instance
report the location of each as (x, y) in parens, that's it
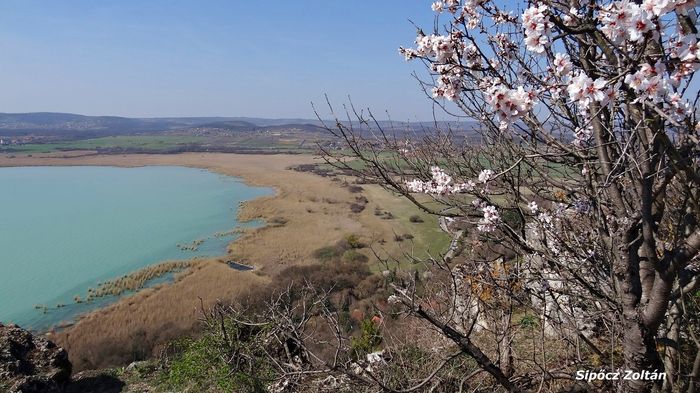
(30, 363)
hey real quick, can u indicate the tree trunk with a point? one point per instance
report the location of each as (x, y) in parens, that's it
(694, 376)
(505, 345)
(671, 346)
(640, 354)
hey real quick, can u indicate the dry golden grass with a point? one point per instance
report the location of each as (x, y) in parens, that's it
(309, 212)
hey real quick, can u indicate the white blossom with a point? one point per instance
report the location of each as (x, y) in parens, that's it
(583, 90)
(441, 184)
(626, 20)
(537, 28)
(485, 175)
(562, 64)
(472, 56)
(650, 82)
(490, 220)
(582, 136)
(571, 17)
(659, 7)
(545, 219)
(509, 105)
(533, 207)
(393, 300)
(680, 109)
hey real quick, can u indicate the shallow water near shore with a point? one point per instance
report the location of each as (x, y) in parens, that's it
(65, 229)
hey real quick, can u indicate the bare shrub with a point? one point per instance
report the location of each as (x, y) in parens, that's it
(415, 218)
(357, 207)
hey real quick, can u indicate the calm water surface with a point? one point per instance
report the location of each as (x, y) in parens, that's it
(64, 229)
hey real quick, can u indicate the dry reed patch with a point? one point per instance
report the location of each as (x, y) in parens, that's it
(132, 328)
(136, 280)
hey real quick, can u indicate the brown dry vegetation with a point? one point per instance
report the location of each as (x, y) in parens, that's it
(316, 212)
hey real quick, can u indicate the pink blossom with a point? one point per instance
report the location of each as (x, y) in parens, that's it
(680, 109)
(562, 64)
(657, 7)
(537, 28)
(582, 136)
(626, 20)
(571, 17)
(583, 90)
(509, 104)
(463, 187)
(472, 56)
(503, 17)
(445, 52)
(470, 13)
(687, 49)
(650, 82)
(449, 82)
(506, 47)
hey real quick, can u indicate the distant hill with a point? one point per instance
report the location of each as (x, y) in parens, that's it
(244, 126)
(68, 125)
(230, 126)
(73, 125)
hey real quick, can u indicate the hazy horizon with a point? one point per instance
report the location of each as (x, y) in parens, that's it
(313, 119)
(214, 59)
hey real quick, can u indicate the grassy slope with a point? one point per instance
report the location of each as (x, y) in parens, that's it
(428, 237)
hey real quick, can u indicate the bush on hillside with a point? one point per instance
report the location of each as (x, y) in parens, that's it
(352, 256)
(415, 218)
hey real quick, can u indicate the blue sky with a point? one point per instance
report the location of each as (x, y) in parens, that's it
(201, 58)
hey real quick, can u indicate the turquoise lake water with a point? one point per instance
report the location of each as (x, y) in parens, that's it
(64, 229)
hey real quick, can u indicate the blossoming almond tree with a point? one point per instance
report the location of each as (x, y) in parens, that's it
(587, 167)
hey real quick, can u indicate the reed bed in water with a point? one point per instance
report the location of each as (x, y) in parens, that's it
(235, 231)
(194, 246)
(136, 280)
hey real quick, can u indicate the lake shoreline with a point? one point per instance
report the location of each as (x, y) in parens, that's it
(174, 307)
(10, 160)
(96, 290)
(305, 213)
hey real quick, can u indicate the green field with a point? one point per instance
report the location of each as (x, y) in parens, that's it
(428, 238)
(145, 142)
(166, 143)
